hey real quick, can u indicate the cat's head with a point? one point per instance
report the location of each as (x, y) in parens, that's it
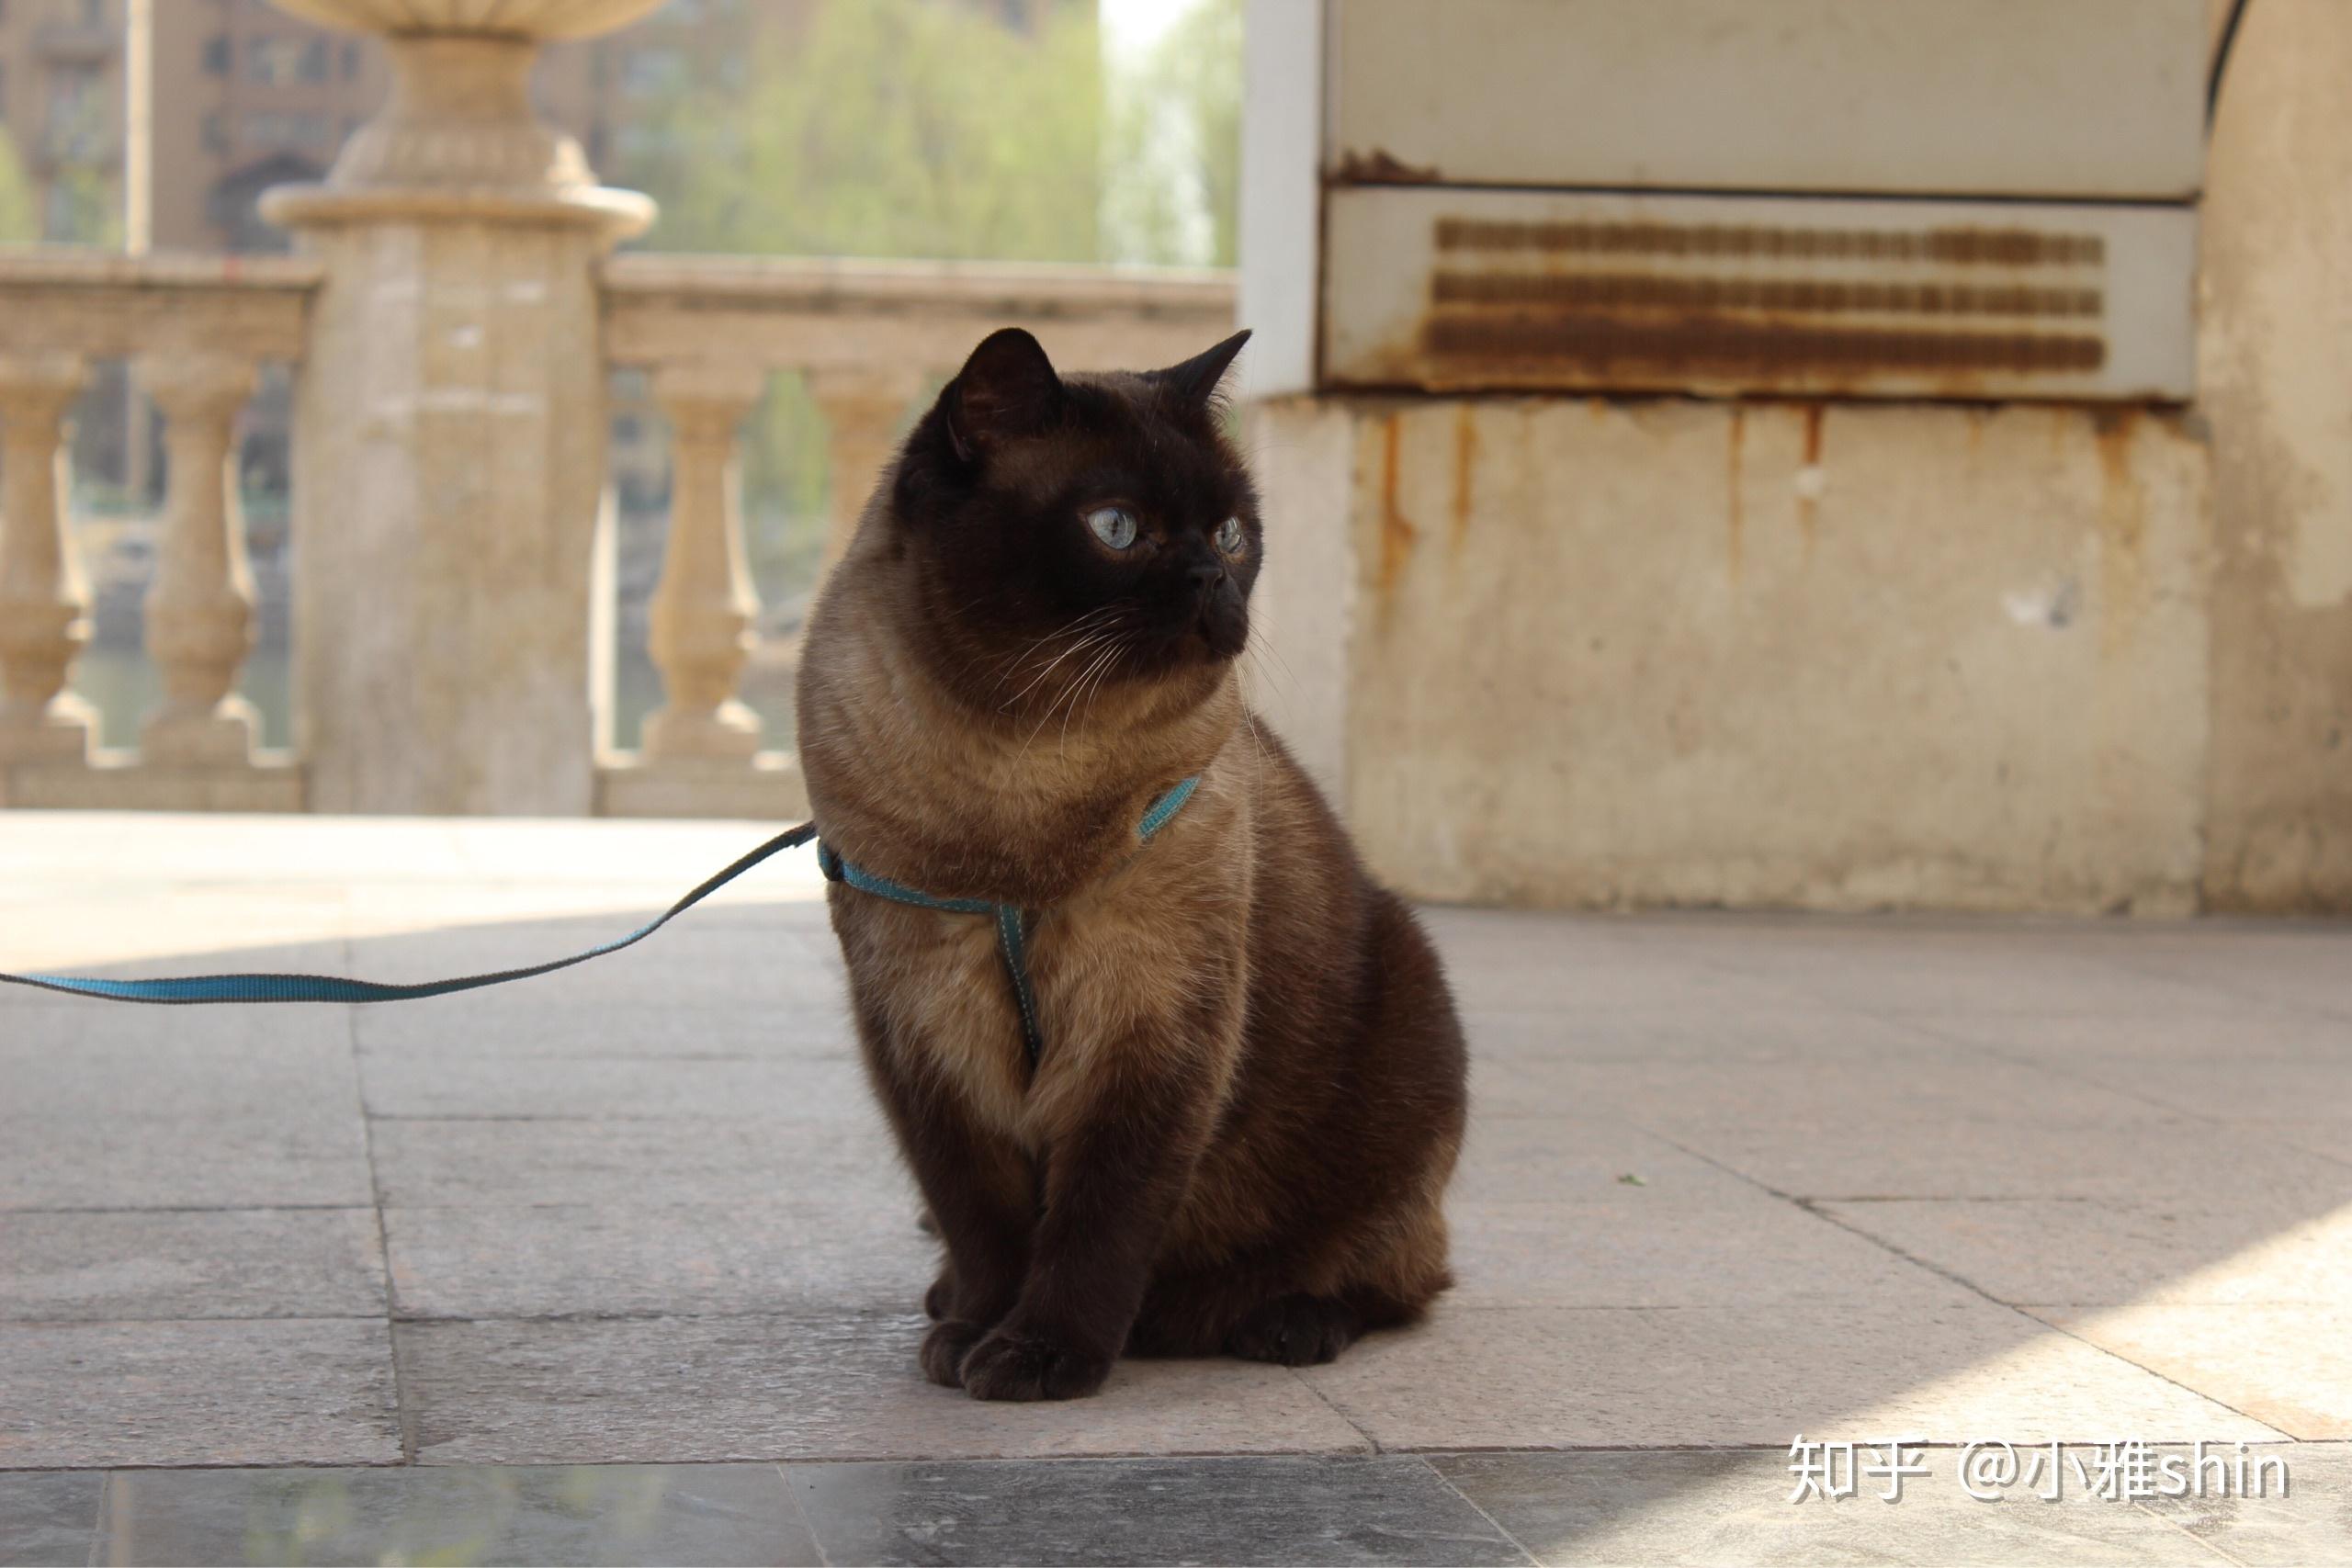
(1076, 535)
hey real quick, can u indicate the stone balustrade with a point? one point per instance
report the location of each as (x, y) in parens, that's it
(194, 331)
(453, 315)
(708, 330)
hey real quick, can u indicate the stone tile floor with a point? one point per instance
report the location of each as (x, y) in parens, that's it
(616, 1265)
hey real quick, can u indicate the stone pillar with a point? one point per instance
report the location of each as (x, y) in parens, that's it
(704, 609)
(450, 428)
(199, 611)
(862, 408)
(43, 600)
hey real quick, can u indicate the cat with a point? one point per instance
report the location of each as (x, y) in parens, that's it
(1249, 1092)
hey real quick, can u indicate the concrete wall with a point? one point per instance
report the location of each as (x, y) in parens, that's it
(1593, 652)
(2276, 382)
(1831, 656)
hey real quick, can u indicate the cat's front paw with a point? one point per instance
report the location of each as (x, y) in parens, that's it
(944, 1348)
(939, 1301)
(1013, 1363)
(1295, 1331)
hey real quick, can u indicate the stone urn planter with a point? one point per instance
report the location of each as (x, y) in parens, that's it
(459, 128)
(450, 421)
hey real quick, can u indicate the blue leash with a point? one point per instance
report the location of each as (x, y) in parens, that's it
(1011, 928)
(333, 989)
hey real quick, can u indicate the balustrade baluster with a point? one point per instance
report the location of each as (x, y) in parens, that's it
(704, 609)
(199, 611)
(43, 603)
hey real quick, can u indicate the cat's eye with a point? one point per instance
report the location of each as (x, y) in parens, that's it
(1114, 525)
(1228, 535)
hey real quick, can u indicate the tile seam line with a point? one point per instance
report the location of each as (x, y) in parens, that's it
(869, 1315)
(7, 1323)
(783, 1469)
(1447, 1481)
(2161, 1377)
(403, 1427)
(1122, 1457)
(1107, 1456)
(1352, 1424)
(2233, 991)
(99, 1523)
(2177, 1527)
(1970, 1286)
(2058, 1069)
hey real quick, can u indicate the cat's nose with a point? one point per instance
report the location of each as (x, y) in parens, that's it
(1207, 575)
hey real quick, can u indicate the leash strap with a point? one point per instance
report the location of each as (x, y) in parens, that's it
(1012, 935)
(196, 988)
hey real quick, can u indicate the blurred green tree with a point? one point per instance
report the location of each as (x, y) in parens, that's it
(894, 127)
(1171, 194)
(888, 128)
(19, 217)
(925, 129)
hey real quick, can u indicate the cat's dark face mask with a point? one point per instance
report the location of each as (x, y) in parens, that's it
(1078, 534)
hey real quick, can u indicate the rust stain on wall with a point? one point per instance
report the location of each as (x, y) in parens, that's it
(1466, 458)
(2123, 526)
(1826, 311)
(1380, 167)
(1723, 344)
(1961, 245)
(2122, 507)
(1735, 516)
(1617, 291)
(1810, 478)
(1398, 534)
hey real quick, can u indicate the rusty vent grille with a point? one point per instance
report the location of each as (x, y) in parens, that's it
(1853, 302)
(1650, 300)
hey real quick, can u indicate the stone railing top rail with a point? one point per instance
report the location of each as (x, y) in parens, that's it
(103, 304)
(820, 313)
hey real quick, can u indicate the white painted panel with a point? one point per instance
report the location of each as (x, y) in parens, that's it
(1445, 289)
(1282, 116)
(2084, 99)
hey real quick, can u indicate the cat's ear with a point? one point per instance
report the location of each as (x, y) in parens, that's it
(1196, 379)
(1007, 389)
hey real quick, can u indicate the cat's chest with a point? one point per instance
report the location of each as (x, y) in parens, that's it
(940, 983)
(944, 985)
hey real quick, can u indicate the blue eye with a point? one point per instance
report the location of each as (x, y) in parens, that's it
(1228, 535)
(1114, 525)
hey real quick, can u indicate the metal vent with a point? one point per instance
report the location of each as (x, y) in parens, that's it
(1463, 291)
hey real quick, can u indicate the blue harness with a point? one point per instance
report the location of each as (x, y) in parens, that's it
(1012, 922)
(1011, 930)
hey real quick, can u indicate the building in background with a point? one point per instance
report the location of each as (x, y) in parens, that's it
(242, 98)
(159, 125)
(61, 111)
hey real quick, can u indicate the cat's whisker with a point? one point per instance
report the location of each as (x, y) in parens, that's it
(1256, 741)
(1093, 639)
(1105, 665)
(1258, 648)
(1073, 629)
(1070, 693)
(1073, 624)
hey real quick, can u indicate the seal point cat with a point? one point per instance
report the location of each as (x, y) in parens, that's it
(1249, 1096)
